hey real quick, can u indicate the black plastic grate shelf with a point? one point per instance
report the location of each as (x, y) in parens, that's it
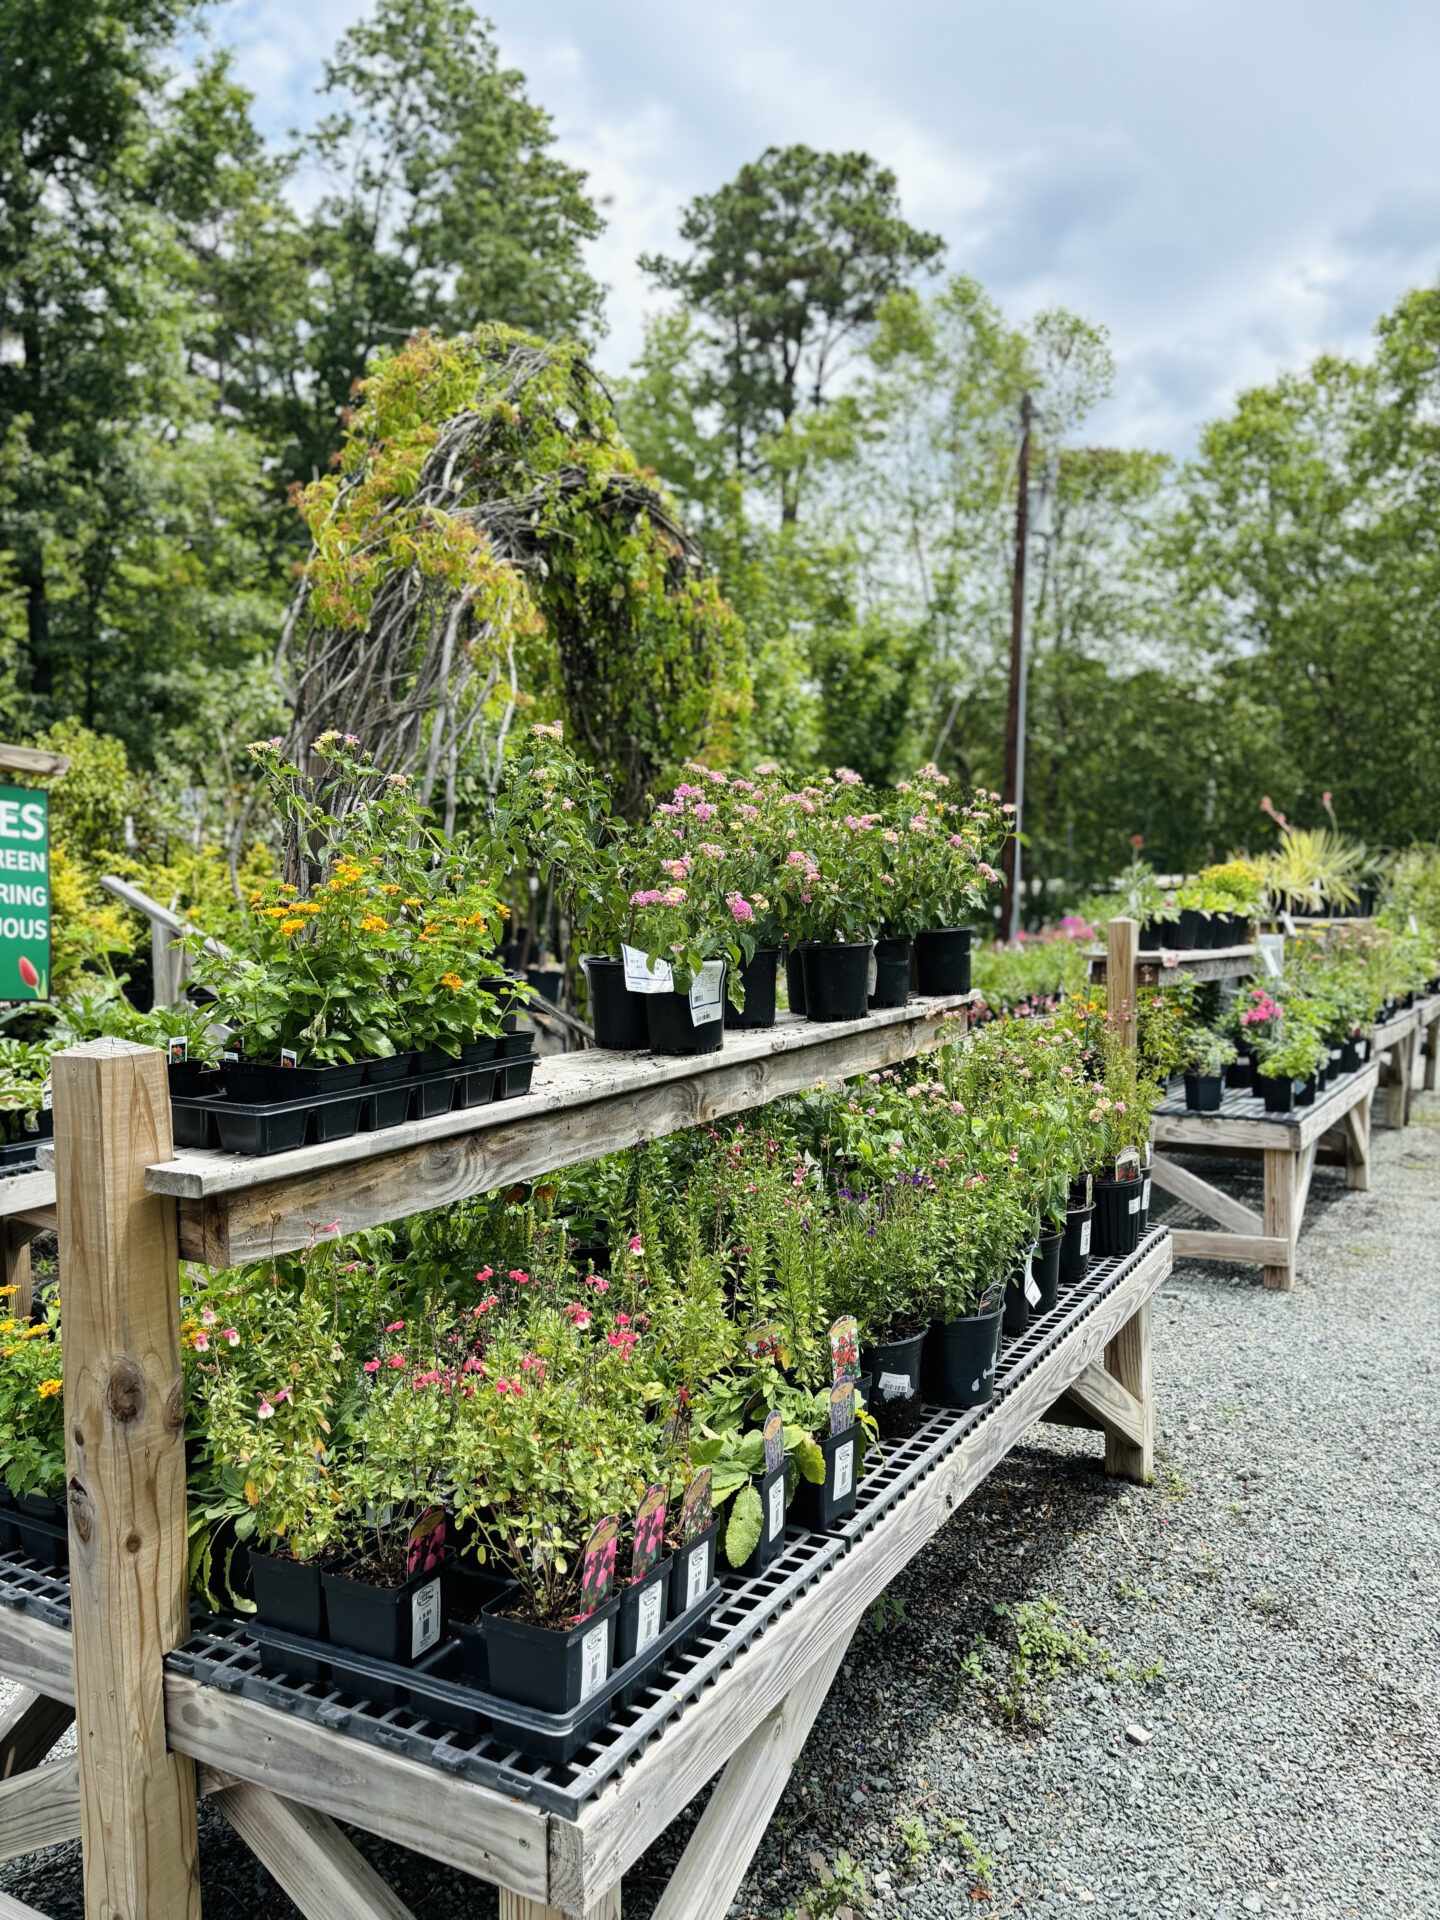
(1238, 1103)
(221, 1653)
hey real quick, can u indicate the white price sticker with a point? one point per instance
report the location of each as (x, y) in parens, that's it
(775, 1518)
(424, 1618)
(649, 1616)
(705, 994)
(844, 1469)
(697, 1574)
(1032, 1290)
(1085, 1238)
(641, 977)
(594, 1660)
(1134, 1206)
(895, 1386)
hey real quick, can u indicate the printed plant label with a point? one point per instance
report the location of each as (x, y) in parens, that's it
(649, 1532)
(289, 1057)
(896, 1386)
(1085, 1239)
(774, 1436)
(425, 1619)
(842, 1406)
(650, 1616)
(594, 1659)
(695, 1506)
(597, 1568)
(177, 1049)
(762, 1342)
(641, 977)
(425, 1547)
(844, 1469)
(775, 1510)
(1032, 1288)
(1145, 1194)
(705, 993)
(697, 1574)
(845, 1348)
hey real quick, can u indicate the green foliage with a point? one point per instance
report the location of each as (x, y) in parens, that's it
(32, 1412)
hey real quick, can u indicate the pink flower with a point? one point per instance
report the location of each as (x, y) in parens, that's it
(484, 1274)
(264, 1411)
(372, 1366)
(677, 869)
(207, 1316)
(846, 777)
(231, 1335)
(202, 1343)
(334, 1227)
(521, 1279)
(579, 1316)
(705, 811)
(396, 1326)
(740, 908)
(600, 1286)
(635, 1243)
(397, 1362)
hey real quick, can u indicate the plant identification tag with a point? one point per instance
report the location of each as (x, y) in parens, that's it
(773, 1433)
(425, 1543)
(597, 1568)
(1145, 1194)
(177, 1049)
(594, 1660)
(1287, 921)
(424, 1618)
(641, 977)
(842, 1406)
(1032, 1289)
(844, 1469)
(696, 1506)
(775, 1509)
(649, 1616)
(649, 1533)
(873, 976)
(1272, 952)
(705, 993)
(697, 1574)
(289, 1057)
(845, 1348)
(1134, 1206)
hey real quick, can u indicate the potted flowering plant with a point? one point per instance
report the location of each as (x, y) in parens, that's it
(875, 1264)
(976, 1231)
(688, 948)
(947, 856)
(1288, 1063)
(1207, 1055)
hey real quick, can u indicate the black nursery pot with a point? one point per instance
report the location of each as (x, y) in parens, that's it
(1278, 1094)
(49, 1542)
(1187, 930)
(692, 1570)
(1117, 1217)
(758, 977)
(616, 1014)
(310, 1083)
(820, 1507)
(554, 1669)
(398, 1624)
(894, 1366)
(892, 972)
(642, 1615)
(1204, 1092)
(9, 1538)
(837, 980)
(960, 1359)
(1350, 1056)
(288, 1594)
(1017, 1304)
(1045, 1270)
(1305, 1095)
(1075, 1243)
(247, 1081)
(795, 978)
(1240, 1074)
(942, 960)
(671, 1030)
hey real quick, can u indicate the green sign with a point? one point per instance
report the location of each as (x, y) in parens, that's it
(24, 894)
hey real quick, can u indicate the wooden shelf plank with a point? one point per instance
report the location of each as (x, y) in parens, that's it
(1243, 1122)
(234, 1208)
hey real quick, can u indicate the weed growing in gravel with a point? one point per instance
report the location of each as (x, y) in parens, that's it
(1172, 1485)
(839, 1892)
(916, 1837)
(887, 1611)
(978, 1864)
(1127, 1590)
(1045, 1645)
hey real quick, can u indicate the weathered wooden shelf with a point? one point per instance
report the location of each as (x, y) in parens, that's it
(581, 1105)
(1204, 963)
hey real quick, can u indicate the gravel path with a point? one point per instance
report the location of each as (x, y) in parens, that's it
(1244, 1716)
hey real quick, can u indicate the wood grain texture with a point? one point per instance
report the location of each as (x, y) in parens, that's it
(30, 1725)
(125, 1459)
(37, 1655)
(1249, 1249)
(235, 1209)
(40, 1808)
(1432, 1047)
(12, 1909)
(1129, 1455)
(453, 1820)
(1281, 1222)
(1357, 1148)
(718, 1853)
(514, 1906)
(588, 1856)
(1110, 1402)
(1122, 945)
(1204, 1197)
(309, 1856)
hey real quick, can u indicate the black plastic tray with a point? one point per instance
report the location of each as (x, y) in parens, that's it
(432, 1689)
(276, 1126)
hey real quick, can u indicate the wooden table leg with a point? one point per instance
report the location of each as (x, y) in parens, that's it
(1432, 1055)
(514, 1906)
(15, 1245)
(1127, 1359)
(1357, 1146)
(1280, 1221)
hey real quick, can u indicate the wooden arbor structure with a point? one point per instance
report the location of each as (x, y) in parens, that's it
(152, 1736)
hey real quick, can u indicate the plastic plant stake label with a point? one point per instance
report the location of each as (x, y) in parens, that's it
(425, 1618)
(640, 977)
(773, 1433)
(705, 994)
(649, 1532)
(648, 1616)
(696, 1507)
(775, 1516)
(1145, 1194)
(1032, 1290)
(872, 977)
(1085, 1239)
(594, 1663)
(177, 1049)
(597, 1568)
(895, 1386)
(844, 1469)
(289, 1057)
(697, 1574)
(845, 1348)
(842, 1406)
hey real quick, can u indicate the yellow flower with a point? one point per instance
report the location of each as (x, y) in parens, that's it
(452, 981)
(36, 1333)
(5, 1292)
(390, 889)
(291, 926)
(48, 1389)
(413, 901)
(276, 913)
(372, 923)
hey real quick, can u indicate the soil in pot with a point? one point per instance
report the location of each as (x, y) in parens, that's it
(896, 1402)
(942, 960)
(837, 980)
(758, 977)
(1045, 1271)
(1075, 1243)
(1204, 1092)
(672, 1029)
(1117, 1217)
(554, 1669)
(892, 972)
(616, 1014)
(960, 1358)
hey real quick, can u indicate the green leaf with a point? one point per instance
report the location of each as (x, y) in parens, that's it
(742, 1536)
(811, 1461)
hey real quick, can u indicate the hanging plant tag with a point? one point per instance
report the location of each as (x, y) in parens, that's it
(695, 1507)
(649, 1533)
(177, 1049)
(763, 1341)
(845, 1348)
(842, 1406)
(774, 1434)
(597, 1567)
(641, 977)
(705, 994)
(1032, 1287)
(425, 1547)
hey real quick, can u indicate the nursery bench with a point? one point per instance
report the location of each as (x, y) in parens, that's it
(1289, 1143)
(1399, 1043)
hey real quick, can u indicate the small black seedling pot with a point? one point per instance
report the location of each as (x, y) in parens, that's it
(474, 1053)
(1204, 1092)
(514, 1079)
(1075, 1243)
(616, 1015)
(1277, 1093)
(434, 1093)
(476, 1086)
(9, 1535)
(821, 1507)
(772, 1522)
(388, 1106)
(246, 1081)
(1240, 1074)
(398, 1623)
(894, 1367)
(1117, 1217)
(1350, 1056)
(1045, 1271)
(288, 1594)
(837, 979)
(313, 1083)
(1305, 1095)
(692, 1570)
(1187, 930)
(671, 1029)
(960, 1357)
(758, 977)
(892, 972)
(554, 1669)
(643, 1613)
(942, 960)
(193, 1080)
(384, 1073)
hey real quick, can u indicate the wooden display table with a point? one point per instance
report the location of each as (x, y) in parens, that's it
(1399, 1043)
(1289, 1144)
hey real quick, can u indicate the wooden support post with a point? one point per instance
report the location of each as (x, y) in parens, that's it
(29, 1728)
(725, 1839)
(1122, 945)
(1357, 1146)
(1280, 1221)
(326, 1876)
(1432, 1054)
(1128, 1358)
(514, 1906)
(125, 1458)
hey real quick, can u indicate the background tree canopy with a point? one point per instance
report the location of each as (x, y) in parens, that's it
(787, 535)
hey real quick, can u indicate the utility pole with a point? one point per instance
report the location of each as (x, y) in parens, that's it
(1015, 716)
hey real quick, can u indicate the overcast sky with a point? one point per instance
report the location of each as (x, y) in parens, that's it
(1229, 187)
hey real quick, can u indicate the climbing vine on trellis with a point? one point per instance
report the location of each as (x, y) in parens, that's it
(486, 514)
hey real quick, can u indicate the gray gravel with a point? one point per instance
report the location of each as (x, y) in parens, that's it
(1284, 1575)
